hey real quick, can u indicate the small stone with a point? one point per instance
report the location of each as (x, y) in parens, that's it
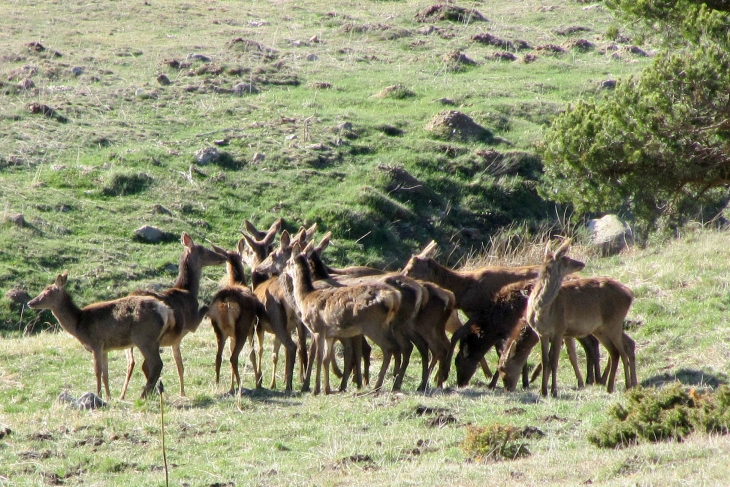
(312, 57)
(344, 126)
(18, 220)
(26, 84)
(445, 101)
(608, 84)
(18, 297)
(171, 268)
(149, 234)
(199, 57)
(90, 401)
(77, 71)
(206, 155)
(221, 142)
(161, 210)
(314, 39)
(291, 137)
(245, 88)
(164, 80)
(258, 157)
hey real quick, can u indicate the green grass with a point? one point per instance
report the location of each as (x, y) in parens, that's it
(84, 186)
(268, 437)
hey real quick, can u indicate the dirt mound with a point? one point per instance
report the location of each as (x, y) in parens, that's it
(398, 92)
(456, 61)
(449, 12)
(452, 124)
(492, 40)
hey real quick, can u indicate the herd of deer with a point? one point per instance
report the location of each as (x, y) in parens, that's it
(509, 308)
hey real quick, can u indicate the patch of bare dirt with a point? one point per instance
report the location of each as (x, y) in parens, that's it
(574, 29)
(452, 124)
(398, 92)
(502, 56)
(550, 49)
(492, 40)
(582, 45)
(452, 13)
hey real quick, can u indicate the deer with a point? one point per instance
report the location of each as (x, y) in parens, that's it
(182, 298)
(111, 325)
(234, 312)
(577, 308)
(473, 290)
(338, 312)
(282, 318)
(501, 326)
(421, 321)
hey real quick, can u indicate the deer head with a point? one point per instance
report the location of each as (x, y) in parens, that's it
(51, 295)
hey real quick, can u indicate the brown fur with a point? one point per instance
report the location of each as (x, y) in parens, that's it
(577, 308)
(234, 312)
(183, 299)
(341, 312)
(111, 325)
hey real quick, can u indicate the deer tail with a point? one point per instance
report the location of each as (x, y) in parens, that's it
(168, 318)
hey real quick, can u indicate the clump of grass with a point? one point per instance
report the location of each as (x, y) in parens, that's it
(494, 442)
(127, 184)
(665, 414)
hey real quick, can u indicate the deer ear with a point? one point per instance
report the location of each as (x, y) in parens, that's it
(285, 240)
(296, 250)
(186, 240)
(62, 279)
(429, 251)
(324, 243)
(250, 241)
(563, 249)
(219, 250)
(241, 247)
(273, 230)
(308, 249)
(310, 231)
(252, 230)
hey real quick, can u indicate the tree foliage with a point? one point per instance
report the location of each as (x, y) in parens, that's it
(660, 143)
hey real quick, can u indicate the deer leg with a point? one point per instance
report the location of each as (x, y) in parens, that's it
(485, 368)
(555, 346)
(422, 347)
(405, 350)
(357, 359)
(348, 353)
(302, 349)
(152, 366)
(327, 355)
(130, 368)
(180, 368)
(97, 369)
(105, 373)
(221, 342)
(310, 364)
(545, 352)
(630, 349)
(570, 346)
(366, 352)
(259, 354)
(387, 355)
(319, 357)
(274, 360)
(236, 347)
(593, 354)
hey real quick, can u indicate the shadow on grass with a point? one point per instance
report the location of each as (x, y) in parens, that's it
(689, 377)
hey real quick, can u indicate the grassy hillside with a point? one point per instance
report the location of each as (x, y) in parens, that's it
(105, 104)
(679, 321)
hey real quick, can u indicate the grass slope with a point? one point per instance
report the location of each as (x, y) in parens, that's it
(679, 322)
(116, 151)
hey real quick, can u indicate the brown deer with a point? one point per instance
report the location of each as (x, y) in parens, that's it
(473, 289)
(183, 299)
(111, 325)
(576, 308)
(348, 311)
(421, 320)
(282, 318)
(500, 327)
(234, 312)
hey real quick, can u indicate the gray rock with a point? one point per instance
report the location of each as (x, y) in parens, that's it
(149, 234)
(258, 157)
(26, 84)
(87, 401)
(164, 80)
(245, 89)
(610, 234)
(312, 57)
(77, 70)
(199, 57)
(206, 155)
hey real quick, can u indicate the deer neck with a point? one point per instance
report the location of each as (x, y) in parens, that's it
(302, 280)
(188, 277)
(68, 315)
(448, 279)
(546, 289)
(236, 274)
(319, 270)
